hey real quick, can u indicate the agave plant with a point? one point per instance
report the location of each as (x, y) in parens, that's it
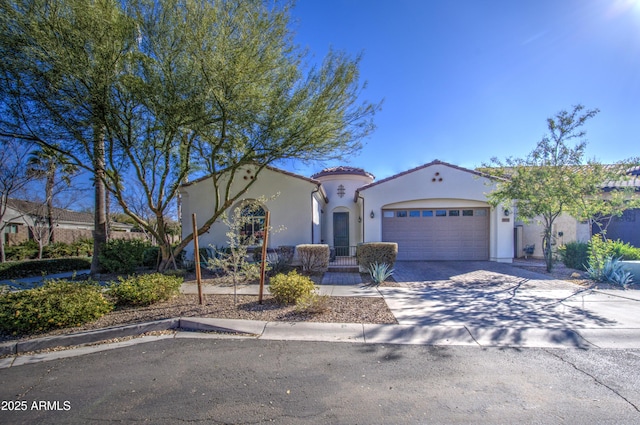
(380, 272)
(611, 271)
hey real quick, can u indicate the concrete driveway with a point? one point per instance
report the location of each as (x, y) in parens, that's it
(493, 298)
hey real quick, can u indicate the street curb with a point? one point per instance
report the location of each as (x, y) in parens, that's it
(350, 332)
(203, 324)
(87, 337)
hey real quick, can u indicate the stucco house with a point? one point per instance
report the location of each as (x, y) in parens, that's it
(23, 218)
(437, 211)
(567, 229)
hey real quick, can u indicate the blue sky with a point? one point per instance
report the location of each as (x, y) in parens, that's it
(467, 80)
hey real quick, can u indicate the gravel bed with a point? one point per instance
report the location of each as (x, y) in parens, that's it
(336, 310)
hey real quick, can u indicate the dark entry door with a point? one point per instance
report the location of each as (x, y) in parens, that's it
(341, 233)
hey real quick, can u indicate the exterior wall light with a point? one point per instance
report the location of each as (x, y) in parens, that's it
(372, 214)
(506, 212)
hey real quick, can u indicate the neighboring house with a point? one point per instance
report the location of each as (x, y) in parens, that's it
(23, 218)
(436, 211)
(568, 229)
(626, 227)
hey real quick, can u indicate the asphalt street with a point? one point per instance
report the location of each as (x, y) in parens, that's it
(206, 379)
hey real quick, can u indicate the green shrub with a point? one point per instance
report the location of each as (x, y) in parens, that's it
(150, 256)
(83, 247)
(624, 250)
(600, 250)
(289, 288)
(20, 269)
(23, 251)
(57, 250)
(56, 304)
(176, 272)
(122, 256)
(376, 252)
(575, 255)
(314, 257)
(145, 289)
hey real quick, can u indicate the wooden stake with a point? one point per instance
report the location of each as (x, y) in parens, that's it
(264, 255)
(196, 256)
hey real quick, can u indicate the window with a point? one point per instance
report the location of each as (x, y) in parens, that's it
(388, 214)
(11, 228)
(254, 227)
(454, 213)
(427, 213)
(401, 213)
(441, 213)
(414, 213)
(480, 213)
(467, 213)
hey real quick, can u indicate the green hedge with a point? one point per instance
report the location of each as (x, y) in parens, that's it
(376, 252)
(145, 289)
(123, 256)
(314, 257)
(624, 251)
(20, 269)
(23, 251)
(29, 250)
(56, 304)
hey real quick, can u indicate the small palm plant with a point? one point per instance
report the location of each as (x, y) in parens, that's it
(380, 272)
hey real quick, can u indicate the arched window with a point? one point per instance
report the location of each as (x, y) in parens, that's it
(253, 216)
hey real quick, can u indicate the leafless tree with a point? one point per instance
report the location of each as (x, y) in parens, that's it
(13, 178)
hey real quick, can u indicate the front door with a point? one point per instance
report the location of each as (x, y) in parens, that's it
(341, 233)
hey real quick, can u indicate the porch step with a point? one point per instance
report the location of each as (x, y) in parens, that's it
(344, 269)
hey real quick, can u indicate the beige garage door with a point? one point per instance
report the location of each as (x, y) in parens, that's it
(438, 234)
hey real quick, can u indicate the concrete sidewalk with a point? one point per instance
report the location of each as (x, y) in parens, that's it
(331, 290)
(30, 282)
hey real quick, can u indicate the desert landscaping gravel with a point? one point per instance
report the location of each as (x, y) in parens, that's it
(337, 310)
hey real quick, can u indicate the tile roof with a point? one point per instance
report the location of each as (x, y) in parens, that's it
(343, 169)
(61, 214)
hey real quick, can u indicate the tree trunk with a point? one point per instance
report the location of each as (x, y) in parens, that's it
(547, 249)
(107, 213)
(166, 252)
(40, 246)
(49, 194)
(100, 217)
(3, 257)
(165, 257)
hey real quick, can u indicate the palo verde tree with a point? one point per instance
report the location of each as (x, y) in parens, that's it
(606, 194)
(555, 178)
(148, 93)
(214, 87)
(265, 103)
